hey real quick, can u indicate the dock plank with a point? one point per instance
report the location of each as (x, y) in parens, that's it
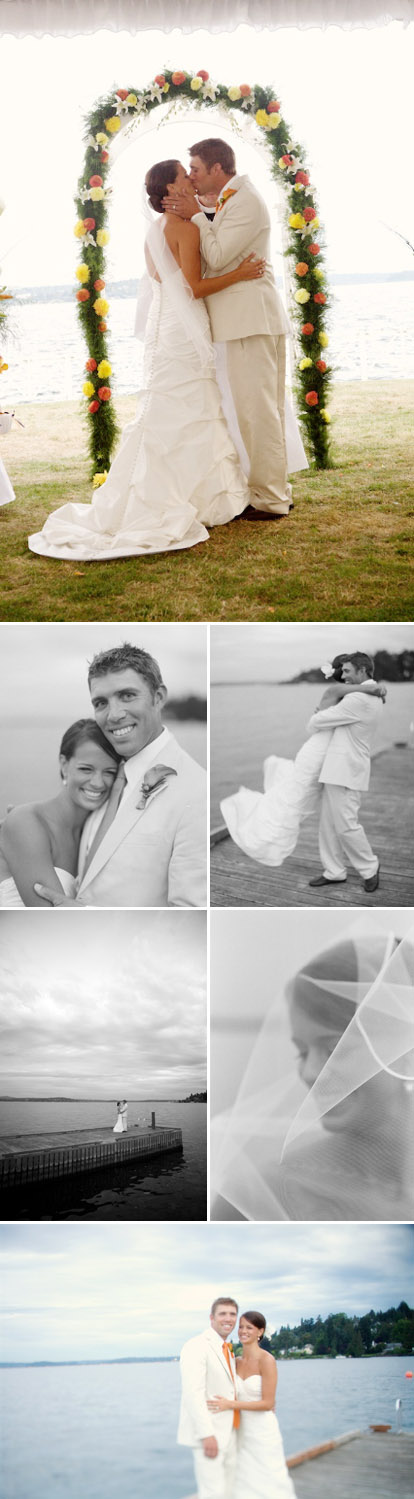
(33, 1159)
(372, 1466)
(387, 814)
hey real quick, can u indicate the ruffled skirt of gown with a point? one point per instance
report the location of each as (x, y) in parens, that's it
(266, 824)
(261, 1471)
(176, 470)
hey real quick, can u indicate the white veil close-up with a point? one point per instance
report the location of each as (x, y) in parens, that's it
(334, 1139)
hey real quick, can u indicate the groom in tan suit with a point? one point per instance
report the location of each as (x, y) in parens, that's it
(249, 318)
(141, 849)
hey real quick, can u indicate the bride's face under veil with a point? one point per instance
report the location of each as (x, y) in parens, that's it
(342, 1149)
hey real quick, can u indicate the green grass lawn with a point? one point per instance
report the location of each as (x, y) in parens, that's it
(344, 552)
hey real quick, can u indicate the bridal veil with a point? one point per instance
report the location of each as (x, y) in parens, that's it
(342, 1146)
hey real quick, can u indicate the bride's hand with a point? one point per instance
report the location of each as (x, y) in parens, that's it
(182, 205)
(53, 896)
(220, 1404)
(251, 268)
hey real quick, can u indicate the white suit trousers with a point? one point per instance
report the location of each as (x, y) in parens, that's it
(215, 1475)
(256, 368)
(341, 836)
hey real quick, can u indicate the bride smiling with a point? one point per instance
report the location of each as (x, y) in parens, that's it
(39, 842)
(261, 1471)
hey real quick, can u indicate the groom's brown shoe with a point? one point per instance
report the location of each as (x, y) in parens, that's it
(320, 879)
(373, 882)
(251, 514)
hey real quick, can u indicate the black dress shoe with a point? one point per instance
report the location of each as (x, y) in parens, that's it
(320, 879)
(373, 883)
(251, 514)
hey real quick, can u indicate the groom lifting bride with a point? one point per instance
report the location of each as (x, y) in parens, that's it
(208, 442)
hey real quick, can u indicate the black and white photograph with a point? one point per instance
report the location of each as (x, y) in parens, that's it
(103, 1070)
(104, 798)
(312, 765)
(312, 1065)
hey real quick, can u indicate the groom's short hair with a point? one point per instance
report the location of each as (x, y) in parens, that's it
(122, 657)
(215, 150)
(223, 1301)
(361, 662)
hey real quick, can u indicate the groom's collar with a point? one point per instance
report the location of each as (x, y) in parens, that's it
(150, 754)
(233, 183)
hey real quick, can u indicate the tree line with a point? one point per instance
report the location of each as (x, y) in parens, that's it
(351, 1337)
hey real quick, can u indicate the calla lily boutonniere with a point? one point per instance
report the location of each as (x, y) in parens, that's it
(155, 778)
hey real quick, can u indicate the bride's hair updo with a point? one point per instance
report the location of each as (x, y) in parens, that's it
(157, 180)
(256, 1318)
(84, 731)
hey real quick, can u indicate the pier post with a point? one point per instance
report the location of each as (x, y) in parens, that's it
(152, 1121)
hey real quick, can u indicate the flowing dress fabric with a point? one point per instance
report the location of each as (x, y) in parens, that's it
(343, 1148)
(6, 488)
(10, 898)
(176, 471)
(266, 824)
(261, 1471)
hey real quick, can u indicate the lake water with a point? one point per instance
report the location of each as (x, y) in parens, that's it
(251, 721)
(98, 1432)
(371, 337)
(172, 1185)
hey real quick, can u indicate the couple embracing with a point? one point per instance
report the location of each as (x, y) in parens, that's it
(128, 826)
(209, 439)
(227, 1410)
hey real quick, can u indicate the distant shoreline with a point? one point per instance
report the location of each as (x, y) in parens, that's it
(63, 292)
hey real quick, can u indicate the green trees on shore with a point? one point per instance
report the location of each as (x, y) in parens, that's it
(349, 1337)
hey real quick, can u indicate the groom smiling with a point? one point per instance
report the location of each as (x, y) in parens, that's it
(147, 845)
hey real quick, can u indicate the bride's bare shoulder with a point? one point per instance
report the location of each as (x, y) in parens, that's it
(23, 821)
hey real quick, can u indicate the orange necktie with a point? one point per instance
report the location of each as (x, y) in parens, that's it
(226, 1351)
(114, 798)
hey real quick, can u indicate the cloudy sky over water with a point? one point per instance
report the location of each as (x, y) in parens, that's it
(240, 653)
(74, 1291)
(113, 1004)
(346, 96)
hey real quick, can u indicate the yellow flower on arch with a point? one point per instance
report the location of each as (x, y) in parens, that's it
(113, 124)
(131, 99)
(82, 273)
(104, 369)
(323, 340)
(234, 92)
(101, 307)
(302, 295)
(297, 221)
(88, 388)
(102, 237)
(96, 193)
(195, 84)
(305, 364)
(99, 479)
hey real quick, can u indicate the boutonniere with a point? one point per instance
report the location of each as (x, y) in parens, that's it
(231, 1349)
(155, 778)
(224, 197)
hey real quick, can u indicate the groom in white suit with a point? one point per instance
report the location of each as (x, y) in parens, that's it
(141, 850)
(208, 1369)
(345, 774)
(249, 318)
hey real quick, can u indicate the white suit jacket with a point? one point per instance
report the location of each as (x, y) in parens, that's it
(241, 226)
(154, 856)
(204, 1373)
(348, 757)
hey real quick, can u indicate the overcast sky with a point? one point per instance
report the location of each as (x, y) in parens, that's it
(241, 653)
(88, 1291)
(110, 1005)
(346, 96)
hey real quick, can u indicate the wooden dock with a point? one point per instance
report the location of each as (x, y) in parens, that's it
(29, 1159)
(387, 814)
(359, 1465)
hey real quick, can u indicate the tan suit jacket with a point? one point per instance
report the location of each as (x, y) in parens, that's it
(348, 757)
(157, 855)
(204, 1374)
(241, 226)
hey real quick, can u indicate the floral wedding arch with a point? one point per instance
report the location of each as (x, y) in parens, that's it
(309, 292)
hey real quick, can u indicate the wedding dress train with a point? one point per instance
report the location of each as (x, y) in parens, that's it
(261, 1471)
(176, 471)
(266, 824)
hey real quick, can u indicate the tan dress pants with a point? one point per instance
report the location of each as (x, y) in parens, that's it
(256, 368)
(341, 836)
(215, 1475)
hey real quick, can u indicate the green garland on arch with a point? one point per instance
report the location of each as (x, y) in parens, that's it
(309, 292)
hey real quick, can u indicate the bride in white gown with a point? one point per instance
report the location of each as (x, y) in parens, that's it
(39, 841)
(266, 824)
(176, 471)
(261, 1471)
(121, 1126)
